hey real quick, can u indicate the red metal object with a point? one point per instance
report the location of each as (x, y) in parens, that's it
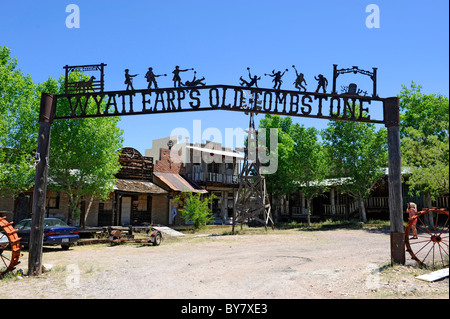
(9, 246)
(431, 248)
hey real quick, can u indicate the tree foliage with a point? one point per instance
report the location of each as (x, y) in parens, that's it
(359, 153)
(302, 161)
(425, 141)
(195, 208)
(84, 153)
(283, 180)
(313, 165)
(19, 109)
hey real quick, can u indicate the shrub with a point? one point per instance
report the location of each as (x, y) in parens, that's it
(195, 208)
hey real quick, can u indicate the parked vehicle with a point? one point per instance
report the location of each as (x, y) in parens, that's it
(56, 232)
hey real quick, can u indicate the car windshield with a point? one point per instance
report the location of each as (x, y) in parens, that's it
(26, 224)
(54, 223)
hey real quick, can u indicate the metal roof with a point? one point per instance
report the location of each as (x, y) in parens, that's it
(178, 183)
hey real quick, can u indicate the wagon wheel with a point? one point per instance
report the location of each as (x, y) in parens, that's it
(431, 248)
(9, 246)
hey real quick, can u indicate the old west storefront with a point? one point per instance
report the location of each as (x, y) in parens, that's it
(136, 200)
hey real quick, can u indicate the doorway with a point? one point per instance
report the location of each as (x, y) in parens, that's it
(125, 211)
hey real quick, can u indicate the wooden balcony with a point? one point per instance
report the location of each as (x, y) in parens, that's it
(203, 178)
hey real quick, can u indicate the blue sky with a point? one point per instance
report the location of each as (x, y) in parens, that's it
(220, 39)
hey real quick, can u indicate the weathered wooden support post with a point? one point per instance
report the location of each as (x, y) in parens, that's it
(392, 122)
(40, 186)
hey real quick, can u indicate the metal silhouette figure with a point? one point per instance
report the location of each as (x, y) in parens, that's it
(151, 78)
(129, 79)
(176, 76)
(253, 80)
(277, 78)
(84, 86)
(194, 81)
(322, 83)
(299, 80)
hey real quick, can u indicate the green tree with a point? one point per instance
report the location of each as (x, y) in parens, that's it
(302, 161)
(19, 108)
(312, 163)
(84, 153)
(195, 208)
(425, 141)
(283, 180)
(359, 153)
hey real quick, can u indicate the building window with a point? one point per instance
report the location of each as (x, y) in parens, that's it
(105, 206)
(53, 200)
(142, 203)
(214, 167)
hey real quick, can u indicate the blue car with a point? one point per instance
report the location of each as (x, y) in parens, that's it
(56, 232)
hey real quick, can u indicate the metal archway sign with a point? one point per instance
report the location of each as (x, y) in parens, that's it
(196, 96)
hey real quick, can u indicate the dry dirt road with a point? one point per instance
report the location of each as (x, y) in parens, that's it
(294, 264)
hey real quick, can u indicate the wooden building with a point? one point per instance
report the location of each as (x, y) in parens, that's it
(209, 167)
(136, 200)
(337, 204)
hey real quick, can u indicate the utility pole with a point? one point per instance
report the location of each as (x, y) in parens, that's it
(46, 114)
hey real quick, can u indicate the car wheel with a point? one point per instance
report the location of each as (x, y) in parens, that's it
(157, 240)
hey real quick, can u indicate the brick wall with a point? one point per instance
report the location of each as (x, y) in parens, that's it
(168, 164)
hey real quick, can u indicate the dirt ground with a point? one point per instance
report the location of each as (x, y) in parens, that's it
(294, 264)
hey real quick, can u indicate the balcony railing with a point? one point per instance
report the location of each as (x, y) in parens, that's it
(208, 177)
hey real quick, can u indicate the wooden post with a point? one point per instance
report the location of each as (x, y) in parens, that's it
(374, 80)
(335, 75)
(392, 122)
(40, 186)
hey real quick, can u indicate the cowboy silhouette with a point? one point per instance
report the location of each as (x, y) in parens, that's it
(323, 82)
(299, 80)
(195, 81)
(277, 78)
(176, 75)
(253, 81)
(129, 80)
(151, 78)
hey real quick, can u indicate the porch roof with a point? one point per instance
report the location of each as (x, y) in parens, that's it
(177, 183)
(136, 186)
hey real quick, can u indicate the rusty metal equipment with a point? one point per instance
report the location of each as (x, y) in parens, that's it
(116, 236)
(9, 246)
(431, 247)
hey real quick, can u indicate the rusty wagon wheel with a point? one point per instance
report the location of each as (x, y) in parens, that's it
(431, 248)
(9, 246)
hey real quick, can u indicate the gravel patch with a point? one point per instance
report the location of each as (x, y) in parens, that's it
(294, 264)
